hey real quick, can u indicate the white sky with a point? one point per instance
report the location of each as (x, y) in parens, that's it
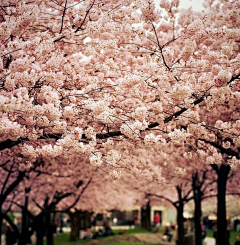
(196, 4)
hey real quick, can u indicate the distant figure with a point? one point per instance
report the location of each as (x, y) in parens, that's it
(85, 234)
(55, 226)
(168, 234)
(68, 223)
(93, 222)
(156, 221)
(237, 240)
(172, 225)
(107, 231)
(61, 226)
(98, 234)
(238, 227)
(136, 221)
(115, 220)
(203, 233)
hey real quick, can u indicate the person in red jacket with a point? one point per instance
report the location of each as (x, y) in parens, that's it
(156, 221)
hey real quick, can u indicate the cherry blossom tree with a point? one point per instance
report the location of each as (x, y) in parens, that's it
(13, 171)
(102, 78)
(76, 189)
(48, 186)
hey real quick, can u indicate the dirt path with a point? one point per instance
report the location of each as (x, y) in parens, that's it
(117, 238)
(141, 237)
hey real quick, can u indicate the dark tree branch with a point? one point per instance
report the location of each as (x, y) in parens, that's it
(79, 195)
(162, 197)
(11, 187)
(228, 151)
(6, 180)
(160, 48)
(9, 143)
(64, 11)
(79, 28)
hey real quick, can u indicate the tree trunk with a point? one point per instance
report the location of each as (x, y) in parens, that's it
(180, 219)
(40, 229)
(74, 224)
(145, 214)
(222, 172)
(79, 220)
(4, 194)
(24, 232)
(49, 229)
(197, 209)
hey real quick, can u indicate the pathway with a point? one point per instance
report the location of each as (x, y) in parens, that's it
(153, 238)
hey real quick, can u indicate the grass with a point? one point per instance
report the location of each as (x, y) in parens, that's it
(127, 243)
(63, 239)
(233, 235)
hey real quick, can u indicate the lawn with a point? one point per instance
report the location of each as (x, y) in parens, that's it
(233, 235)
(63, 239)
(128, 243)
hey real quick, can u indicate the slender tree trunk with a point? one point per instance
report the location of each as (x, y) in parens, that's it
(180, 218)
(74, 224)
(197, 209)
(40, 236)
(49, 229)
(223, 172)
(4, 193)
(145, 214)
(40, 229)
(24, 232)
(180, 224)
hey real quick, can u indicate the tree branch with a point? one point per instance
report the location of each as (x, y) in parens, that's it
(223, 150)
(79, 196)
(9, 143)
(11, 187)
(64, 11)
(79, 28)
(163, 197)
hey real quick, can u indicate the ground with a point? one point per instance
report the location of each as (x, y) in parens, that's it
(127, 239)
(136, 239)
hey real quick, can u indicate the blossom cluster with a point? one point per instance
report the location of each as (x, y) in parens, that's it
(178, 136)
(69, 84)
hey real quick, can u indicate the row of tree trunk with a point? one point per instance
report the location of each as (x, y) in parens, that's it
(43, 223)
(198, 195)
